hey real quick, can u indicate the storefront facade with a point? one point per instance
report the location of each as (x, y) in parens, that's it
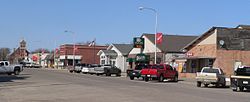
(225, 48)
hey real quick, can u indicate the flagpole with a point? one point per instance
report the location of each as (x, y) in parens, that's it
(73, 47)
(94, 52)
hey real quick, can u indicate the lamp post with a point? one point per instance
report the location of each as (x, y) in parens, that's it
(73, 33)
(156, 24)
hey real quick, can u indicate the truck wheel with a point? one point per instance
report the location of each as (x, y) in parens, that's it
(71, 71)
(223, 85)
(217, 85)
(241, 89)
(9, 73)
(176, 79)
(118, 74)
(206, 85)
(108, 74)
(198, 84)
(16, 72)
(97, 74)
(131, 77)
(161, 78)
(146, 79)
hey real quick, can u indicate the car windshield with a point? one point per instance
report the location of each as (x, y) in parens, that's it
(211, 70)
(141, 66)
(243, 71)
(157, 66)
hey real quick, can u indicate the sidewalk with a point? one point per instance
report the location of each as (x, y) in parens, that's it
(193, 80)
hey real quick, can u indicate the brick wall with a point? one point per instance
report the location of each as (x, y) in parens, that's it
(208, 50)
(226, 58)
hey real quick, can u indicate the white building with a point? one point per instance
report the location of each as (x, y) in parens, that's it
(116, 54)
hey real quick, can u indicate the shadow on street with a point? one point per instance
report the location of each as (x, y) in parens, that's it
(11, 78)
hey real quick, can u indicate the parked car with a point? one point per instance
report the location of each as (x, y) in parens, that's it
(30, 65)
(137, 71)
(78, 67)
(108, 71)
(241, 79)
(100, 69)
(6, 68)
(91, 68)
(209, 75)
(85, 69)
(160, 72)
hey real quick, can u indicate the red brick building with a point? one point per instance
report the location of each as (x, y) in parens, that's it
(225, 48)
(83, 54)
(19, 54)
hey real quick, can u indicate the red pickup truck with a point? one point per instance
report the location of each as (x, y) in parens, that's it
(160, 72)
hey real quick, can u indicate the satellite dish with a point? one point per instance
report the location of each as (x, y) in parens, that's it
(222, 42)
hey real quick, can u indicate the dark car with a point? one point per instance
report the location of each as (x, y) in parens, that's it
(241, 79)
(112, 70)
(137, 71)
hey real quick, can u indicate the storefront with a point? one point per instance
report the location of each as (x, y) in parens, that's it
(225, 48)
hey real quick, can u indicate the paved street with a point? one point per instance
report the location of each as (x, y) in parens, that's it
(44, 85)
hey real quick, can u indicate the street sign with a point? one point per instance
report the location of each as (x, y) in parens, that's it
(138, 42)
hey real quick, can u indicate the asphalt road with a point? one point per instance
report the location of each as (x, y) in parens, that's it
(43, 85)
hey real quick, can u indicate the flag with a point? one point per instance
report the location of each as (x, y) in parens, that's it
(92, 43)
(159, 37)
(75, 48)
(56, 50)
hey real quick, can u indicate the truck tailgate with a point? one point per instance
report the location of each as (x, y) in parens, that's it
(153, 72)
(206, 77)
(144, 71)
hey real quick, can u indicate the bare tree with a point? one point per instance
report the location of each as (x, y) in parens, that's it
(4, 52)
(41, 50)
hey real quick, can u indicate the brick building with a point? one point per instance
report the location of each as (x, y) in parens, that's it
(83, 54)
(19, 54)
(225, 48)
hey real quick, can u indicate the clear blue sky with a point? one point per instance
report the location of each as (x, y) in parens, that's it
(42, 22)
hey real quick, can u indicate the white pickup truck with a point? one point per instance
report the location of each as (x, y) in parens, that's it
(6, 68)
(210, 75)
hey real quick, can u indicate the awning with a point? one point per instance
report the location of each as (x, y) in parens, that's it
(131, 60)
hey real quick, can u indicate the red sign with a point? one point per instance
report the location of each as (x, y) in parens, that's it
(56, 50)
(34, 58)
(159, 37)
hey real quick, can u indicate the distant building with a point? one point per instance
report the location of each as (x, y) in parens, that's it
(116, 54)
(83, 54)
(19, 54)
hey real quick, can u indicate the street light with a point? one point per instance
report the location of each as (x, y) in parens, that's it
(156, 24)
(73, 46)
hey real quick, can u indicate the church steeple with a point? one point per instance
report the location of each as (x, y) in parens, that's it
(22, 44)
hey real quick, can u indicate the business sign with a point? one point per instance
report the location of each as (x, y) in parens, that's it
(142, 58)
(138, 42)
